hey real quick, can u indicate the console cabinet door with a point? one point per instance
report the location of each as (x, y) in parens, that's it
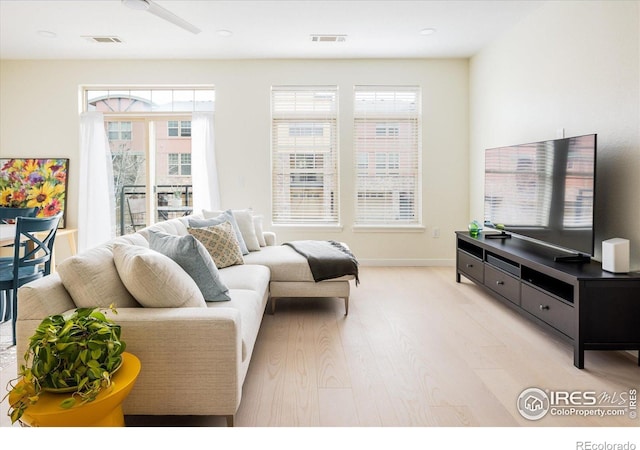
(611, 312)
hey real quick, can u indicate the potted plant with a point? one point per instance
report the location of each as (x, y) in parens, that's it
(76, 354)
(176, 196)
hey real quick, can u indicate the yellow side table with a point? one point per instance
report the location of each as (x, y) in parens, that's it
(104, 411)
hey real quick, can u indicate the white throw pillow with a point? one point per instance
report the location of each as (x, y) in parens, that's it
(257, 223)
(244, 217)
(92, 280)
(155, 280)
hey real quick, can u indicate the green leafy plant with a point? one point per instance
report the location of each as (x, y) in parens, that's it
(76, 354)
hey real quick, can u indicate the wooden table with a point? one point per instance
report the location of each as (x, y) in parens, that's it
(104, 411)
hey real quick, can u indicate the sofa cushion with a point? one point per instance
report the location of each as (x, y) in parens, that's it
(247, 276)
(155, 280)
(284, 262)
(176, 226)
(194, 258)
(92, 280)
(219, 217)
(221, 243)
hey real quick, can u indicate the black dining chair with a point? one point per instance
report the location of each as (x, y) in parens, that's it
(30, 262)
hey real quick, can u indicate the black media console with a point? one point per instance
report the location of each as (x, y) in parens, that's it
(591, 308)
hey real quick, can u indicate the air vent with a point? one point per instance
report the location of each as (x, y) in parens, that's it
(104, 39)
(328, 37)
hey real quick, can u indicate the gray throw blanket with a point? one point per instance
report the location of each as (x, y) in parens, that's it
(327, 259)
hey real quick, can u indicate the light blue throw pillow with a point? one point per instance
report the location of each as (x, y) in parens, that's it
(226, 216)
(194, 259)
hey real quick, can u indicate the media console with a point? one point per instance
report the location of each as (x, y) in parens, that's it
(579, 302)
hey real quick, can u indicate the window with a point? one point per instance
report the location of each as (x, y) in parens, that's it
(119, 131)
(149, 133)
(179, 128)
(387, 155)
(304, 155)
(179, 164)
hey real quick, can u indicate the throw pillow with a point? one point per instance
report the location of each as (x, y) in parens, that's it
(212, 218)
(221, 243)
(257, 223)
(92, 280)
(194, 258)
(155, 280)
(244, 217)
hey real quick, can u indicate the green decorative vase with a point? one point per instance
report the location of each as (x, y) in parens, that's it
(474, 228)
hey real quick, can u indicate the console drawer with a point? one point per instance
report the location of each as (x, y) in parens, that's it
(549, 309)
(471, 266)
(502, 283)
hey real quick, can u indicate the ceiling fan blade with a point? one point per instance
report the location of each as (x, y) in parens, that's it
(167, 15)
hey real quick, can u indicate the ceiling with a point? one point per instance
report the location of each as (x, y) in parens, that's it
(53, 29)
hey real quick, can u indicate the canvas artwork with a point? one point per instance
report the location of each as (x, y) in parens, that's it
(29, 182)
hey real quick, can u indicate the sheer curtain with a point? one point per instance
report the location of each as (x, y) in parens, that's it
(204, 171)
(96, 205)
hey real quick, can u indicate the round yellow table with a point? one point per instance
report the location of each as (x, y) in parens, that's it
(104, 411)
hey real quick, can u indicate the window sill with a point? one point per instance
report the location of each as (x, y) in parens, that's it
(301, 227)
(389, 228)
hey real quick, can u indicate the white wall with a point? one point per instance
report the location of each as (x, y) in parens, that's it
(39, 107)
(571, 65)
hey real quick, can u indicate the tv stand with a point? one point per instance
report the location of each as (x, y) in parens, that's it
(502, 235)
(580, 303)
(577, 259)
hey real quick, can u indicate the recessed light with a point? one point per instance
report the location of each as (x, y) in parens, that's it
(224, 33)
(47, 34)
(427, 31)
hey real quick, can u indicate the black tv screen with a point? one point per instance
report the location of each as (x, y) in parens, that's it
(544, 191)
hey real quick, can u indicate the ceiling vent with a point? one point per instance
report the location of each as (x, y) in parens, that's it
(104, 39)
(328, 37)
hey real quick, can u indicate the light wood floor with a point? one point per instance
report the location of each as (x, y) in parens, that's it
(416, 350)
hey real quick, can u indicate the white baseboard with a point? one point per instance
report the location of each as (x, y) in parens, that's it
(407, 262)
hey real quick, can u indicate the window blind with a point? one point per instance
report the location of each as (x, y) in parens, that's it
(304, 155)
(387, 130)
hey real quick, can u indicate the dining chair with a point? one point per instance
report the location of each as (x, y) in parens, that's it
(8, 215)
(30, 262)
(137, 211)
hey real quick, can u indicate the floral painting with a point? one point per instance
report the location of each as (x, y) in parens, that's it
(41, 183)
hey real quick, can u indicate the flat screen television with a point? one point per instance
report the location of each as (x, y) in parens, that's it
(544, 191)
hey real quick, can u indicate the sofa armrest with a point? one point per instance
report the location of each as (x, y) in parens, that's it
(191, 355)
(269, 238)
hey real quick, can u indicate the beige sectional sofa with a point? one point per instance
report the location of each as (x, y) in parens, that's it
(195, 357)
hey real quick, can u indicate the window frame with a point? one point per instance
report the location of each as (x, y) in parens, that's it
(378, 155)
(305, 161)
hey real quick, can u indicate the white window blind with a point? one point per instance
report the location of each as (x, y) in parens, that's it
(304, 155)
(387, 130)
